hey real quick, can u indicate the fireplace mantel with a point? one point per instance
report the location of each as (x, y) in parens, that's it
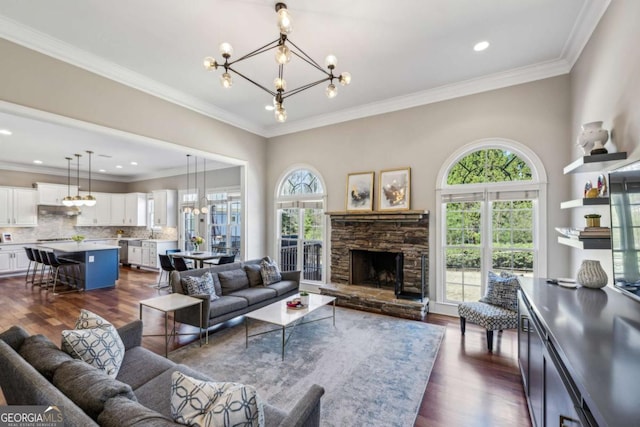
(377, 216)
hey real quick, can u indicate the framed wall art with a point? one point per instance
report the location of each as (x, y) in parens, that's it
(360, 191)
(394, 190)
(6, 238)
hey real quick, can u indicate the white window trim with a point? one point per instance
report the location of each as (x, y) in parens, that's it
(302, 197)
(538, 182)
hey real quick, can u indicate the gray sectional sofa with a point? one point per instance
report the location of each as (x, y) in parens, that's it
(34, 371)
(242, 291)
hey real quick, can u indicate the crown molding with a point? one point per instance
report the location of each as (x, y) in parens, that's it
(585, 25)
(40, 42)
(443, 93)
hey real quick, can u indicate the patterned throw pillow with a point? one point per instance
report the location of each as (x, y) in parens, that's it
(202, 285)
(96, 342)
(270, 272)
(207, 403)
(502, 291)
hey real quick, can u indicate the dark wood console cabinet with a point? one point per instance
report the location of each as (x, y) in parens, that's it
(578, 351)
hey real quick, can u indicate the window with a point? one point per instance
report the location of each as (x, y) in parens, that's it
(301, 224)
(490, 205)
(225, 221)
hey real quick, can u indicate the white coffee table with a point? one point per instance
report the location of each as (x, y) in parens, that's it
(279, 314)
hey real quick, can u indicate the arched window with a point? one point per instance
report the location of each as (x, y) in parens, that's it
(490, 199)
(301, 223)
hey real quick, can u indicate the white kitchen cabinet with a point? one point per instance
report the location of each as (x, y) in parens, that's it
(13, 259)
(97, 215)
(18, 207)
(165, 204)
(151, 249)
(129, 209)
(135, 255)
(53, 194)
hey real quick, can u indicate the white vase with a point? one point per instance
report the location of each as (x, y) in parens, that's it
(592, 138)
(304, 299)
(592, 275)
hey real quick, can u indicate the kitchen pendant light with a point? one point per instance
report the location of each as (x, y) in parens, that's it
(68, 200)
(77, 200)
(205, 205)
(196, 210)
(187, 208)
(89, 200)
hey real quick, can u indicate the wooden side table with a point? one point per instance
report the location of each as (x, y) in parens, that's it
(167, 303)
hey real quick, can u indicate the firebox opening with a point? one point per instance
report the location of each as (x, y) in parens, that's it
(375, 269)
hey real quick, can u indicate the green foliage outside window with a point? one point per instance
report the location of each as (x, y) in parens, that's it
(491, 165)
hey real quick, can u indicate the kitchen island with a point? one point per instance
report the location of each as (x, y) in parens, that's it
(98, 262)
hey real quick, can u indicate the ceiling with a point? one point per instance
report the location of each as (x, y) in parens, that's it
(400, 54)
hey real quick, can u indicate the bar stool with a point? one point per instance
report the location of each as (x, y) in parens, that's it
(32, 261)
(41, 258)
(66, 265)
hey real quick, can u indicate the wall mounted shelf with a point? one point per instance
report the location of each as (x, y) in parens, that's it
(585, 243)
(595, 201)
(593, 163)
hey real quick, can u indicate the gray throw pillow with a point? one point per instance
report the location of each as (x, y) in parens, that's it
(254, 274)
(233, 280)
(502, 291)
(88, 387)
(203, 285)
(43, 355)
(270, 272)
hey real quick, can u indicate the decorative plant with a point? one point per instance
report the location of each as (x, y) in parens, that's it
(77, 238)
(304, 293)
(197, 240)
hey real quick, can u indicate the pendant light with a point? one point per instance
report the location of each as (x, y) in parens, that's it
(205, 205)
(196, 210)
(89, 200)
(187, 209)
(68, 200)
(77, 200)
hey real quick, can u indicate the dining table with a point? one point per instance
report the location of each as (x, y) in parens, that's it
(199, 257)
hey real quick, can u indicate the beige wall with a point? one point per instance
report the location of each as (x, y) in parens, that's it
(535, 114)
(43, 83)
(605, 86)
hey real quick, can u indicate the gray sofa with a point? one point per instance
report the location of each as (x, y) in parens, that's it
(35, 371)
(242, 291)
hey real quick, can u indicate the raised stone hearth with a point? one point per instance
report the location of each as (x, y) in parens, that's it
(374, 300)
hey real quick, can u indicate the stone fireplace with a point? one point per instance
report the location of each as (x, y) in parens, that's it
(382, 250)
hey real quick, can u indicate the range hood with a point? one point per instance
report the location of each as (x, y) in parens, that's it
(58, 210)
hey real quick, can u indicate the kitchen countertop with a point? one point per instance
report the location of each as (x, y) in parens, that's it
(75, 247)
(159, 240)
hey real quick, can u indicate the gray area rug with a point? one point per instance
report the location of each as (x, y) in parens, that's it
(374, 368)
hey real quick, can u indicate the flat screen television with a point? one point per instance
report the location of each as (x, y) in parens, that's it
(624, 193)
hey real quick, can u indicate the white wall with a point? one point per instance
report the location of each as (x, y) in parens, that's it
(536, 114)
(39, 82)
(605, 86)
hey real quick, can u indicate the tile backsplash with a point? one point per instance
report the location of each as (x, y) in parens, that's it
(57, 226)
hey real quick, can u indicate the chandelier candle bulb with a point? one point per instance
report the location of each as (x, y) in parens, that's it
(226, 50)
(210, 63)
(332, 91)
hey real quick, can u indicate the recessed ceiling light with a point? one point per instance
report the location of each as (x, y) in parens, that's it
(269, 107)
(134, 163)
(5, 132)
(37, 162)
(118, 166)
(479, 47)
(102, 170)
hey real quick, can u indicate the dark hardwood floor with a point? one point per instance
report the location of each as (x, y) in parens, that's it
(468, 386)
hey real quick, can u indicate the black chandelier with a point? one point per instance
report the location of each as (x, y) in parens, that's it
(284, 49)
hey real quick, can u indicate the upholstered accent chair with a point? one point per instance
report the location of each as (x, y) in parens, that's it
(497, 310)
